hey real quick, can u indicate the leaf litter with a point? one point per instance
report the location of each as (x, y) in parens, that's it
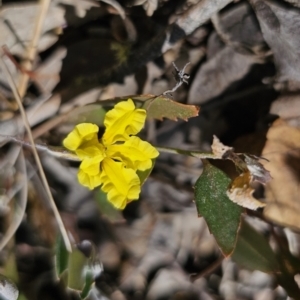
(241, 56)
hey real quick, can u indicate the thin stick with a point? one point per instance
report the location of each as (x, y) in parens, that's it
(211, 268)
(36, 156)
(32, 48)
(58, 152)
(198, 154)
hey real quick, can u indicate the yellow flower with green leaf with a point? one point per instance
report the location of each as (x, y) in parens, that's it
(113, 161)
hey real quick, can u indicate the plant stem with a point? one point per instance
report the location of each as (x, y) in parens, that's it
(197, 154)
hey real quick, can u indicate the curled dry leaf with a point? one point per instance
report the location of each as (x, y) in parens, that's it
(282, 149)
(287, 107)
(294, 2)
(238, 28)
(280, 27)
(219, 149)
(81, 6)
(49, 70)
(218, 73)
(117, 6)
(15, 32)
(257, 170)
(224, 152)
(150, 7)
(241, 192)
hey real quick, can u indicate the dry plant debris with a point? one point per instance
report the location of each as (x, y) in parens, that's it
(282, 193)
(72, 62)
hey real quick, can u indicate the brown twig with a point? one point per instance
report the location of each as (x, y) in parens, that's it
(32, 48)
(208, 270)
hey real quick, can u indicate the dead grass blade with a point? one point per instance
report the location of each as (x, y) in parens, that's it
(36, 156)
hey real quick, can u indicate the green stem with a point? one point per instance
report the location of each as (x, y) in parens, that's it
(61, 152)
(198, 154)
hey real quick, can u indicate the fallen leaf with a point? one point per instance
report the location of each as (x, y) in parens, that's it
(12, 27)
(117, 6)
(286, 107)
(238, 27)
(81, 6)
(48, 72)
(280, 25)
(218, 73)
(282, 214)
(150, 7)
(282, 149)
(226, 66)
(294, 2)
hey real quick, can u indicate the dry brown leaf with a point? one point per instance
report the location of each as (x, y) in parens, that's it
(282, 149)
(150, 7)
(286, 107)
(240, 192)
(218, 73)
(249, 164)
(117, 7)
(48, 72)
(81, 6)
(283, 215)
(12, 27)
(219, 149)
(294, 2)
(280, 27)
(257, 170)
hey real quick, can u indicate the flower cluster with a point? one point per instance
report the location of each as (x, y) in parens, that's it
(113, 161)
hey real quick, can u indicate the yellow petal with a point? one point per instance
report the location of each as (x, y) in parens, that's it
(121, 184)
(96, 150)
(91, 166)
(88, 181)
(135, 153)
(122, 121)
(81, 133)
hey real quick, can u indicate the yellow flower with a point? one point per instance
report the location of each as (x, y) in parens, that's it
(112, 161)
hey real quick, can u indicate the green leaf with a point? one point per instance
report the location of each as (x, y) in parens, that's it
(61, 256)
(143, 175)
(10, 267)
(89, 280)
(253, 250)
(106, 208)
(77, 264)
(93, 113)
(222, 216)
(158, 107)
(162, 107)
